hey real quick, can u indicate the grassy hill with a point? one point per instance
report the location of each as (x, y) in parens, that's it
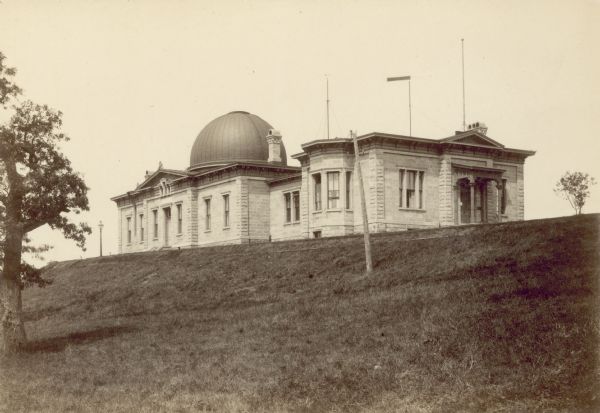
(499, 318)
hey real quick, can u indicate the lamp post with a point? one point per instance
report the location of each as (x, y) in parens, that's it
(393, 79)
(100, 226)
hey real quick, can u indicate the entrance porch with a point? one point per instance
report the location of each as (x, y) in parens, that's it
(478, 194)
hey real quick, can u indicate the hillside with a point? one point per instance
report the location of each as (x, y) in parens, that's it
(497, 318)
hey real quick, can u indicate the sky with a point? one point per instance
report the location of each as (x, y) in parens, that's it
(137, 81)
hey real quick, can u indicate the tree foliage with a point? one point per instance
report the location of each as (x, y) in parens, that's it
(38, 187)
(575, 188)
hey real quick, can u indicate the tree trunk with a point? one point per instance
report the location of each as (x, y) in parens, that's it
(12, 333)
(12, 330)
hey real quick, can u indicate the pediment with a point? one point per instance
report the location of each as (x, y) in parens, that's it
(159, 175)
(473, 138)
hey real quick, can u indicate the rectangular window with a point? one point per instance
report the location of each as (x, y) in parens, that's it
(317, 182)
(503, 198)
(411, 189)
(401, 188)
(129, 230)
(179, 219)
(155, 223)
(348, 190)
(421, 179)
(226, 210)
(333, 189)
(288, 207)
(296, 202)
(411, 180)
(207, 216)
(141, 227)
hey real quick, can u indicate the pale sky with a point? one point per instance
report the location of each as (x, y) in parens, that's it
(138, 80)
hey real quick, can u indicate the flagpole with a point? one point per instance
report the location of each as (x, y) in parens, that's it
(393, 79)
(462, 43)
(409, 112)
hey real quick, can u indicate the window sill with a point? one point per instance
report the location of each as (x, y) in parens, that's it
(291, 223)
(180, 235)
(334, 210)
(155, 239)
(226, 228)
(207, 231)
(318, 211)
(413, 209)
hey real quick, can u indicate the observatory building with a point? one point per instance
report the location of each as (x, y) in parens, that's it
(239, 187)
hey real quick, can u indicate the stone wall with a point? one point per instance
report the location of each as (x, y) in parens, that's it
(259, 212)
(279, 228)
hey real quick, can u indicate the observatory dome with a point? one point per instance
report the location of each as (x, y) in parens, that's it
(234, 137)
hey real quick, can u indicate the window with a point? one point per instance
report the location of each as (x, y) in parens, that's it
(411, 188)
(333, 189)
(226, 210)
(401, 188)
(348, 190)
(296, 201)
(411, 182)
(421, 175)
(129, 230)
(179, 219)
(317, 234)
(207, 216)
(155, 223)
(292, 206)
(317, 182)
(288, 207)
(141, 227)
(503, 198)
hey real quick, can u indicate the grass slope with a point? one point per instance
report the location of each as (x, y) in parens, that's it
(481, 318)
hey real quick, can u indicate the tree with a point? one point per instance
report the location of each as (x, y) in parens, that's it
(575, 188)
(37, 187)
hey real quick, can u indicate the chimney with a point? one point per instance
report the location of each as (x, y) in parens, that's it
(478, 127)
(274, 141)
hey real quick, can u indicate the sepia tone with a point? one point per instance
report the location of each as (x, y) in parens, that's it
(227, 159)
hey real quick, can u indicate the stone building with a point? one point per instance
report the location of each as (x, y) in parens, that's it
(239, 187)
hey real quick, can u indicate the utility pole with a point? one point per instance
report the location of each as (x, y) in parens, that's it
(100, 226)
(363, 204)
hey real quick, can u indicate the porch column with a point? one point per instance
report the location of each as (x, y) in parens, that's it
(472, 188)
(456, 191)
(498, 193)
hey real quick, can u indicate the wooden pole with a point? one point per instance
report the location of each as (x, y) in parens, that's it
(363, 204)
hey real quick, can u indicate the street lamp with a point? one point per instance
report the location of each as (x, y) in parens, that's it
(393, 79)
(100, 226)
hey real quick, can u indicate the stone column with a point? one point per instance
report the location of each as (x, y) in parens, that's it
(305, 201)
(458, 204)
(498, 206)
(445, 190)
(242, 205)
(472, 193)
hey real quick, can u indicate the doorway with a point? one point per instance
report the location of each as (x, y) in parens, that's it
(465, 202)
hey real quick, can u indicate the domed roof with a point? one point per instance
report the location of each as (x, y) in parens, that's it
(237, 136)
